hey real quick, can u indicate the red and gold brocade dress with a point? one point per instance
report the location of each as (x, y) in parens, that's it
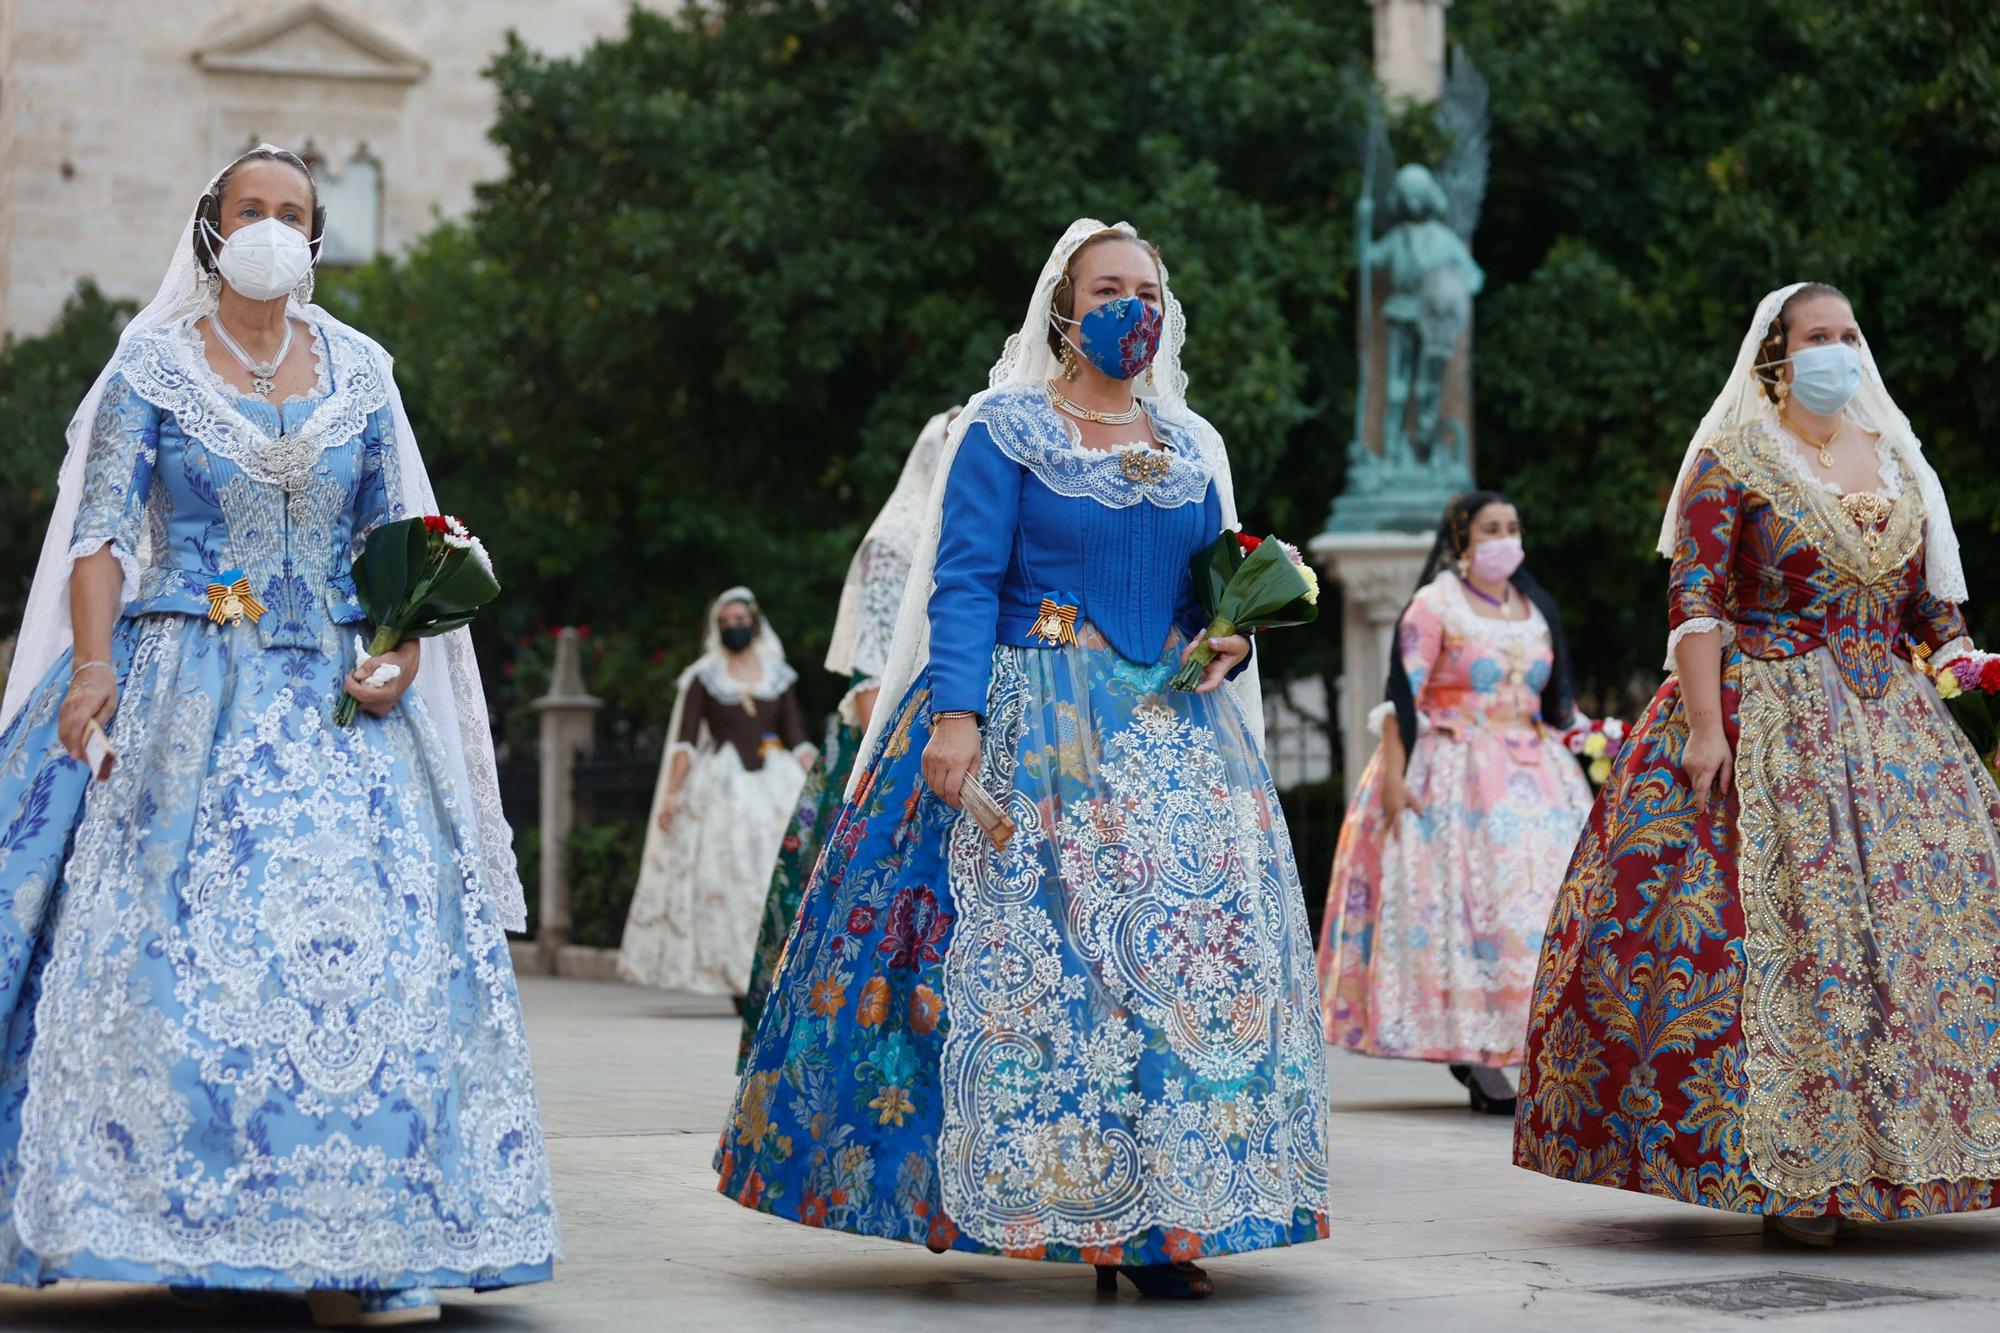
(1791, 1004)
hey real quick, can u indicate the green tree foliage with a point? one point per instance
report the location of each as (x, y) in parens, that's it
(42, 379)
(1657, 169)
(740, 255)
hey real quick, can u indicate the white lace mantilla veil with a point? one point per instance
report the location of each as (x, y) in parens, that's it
(900, 526)
(1741, 402)
(1026, 362)
(448, 680)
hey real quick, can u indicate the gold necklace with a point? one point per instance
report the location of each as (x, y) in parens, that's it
(1825, 448)
(1082, 413)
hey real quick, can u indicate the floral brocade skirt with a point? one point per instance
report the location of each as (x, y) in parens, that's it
(819, 806)
(1786, 1005)
(260, 1024)
(1432, 934)
(1099, 1045)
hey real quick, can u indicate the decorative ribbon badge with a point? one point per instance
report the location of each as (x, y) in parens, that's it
(229, 600)
(1056, 625)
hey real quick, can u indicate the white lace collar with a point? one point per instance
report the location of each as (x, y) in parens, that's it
(1032, 433)
(322, 373)
(168, 368)
(1467, 621)
(713, 673)
(1886, 466)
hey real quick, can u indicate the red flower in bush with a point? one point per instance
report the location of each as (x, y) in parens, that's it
(1247, 542)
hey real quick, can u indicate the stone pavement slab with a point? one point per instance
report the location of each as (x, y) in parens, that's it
(1433, 1228)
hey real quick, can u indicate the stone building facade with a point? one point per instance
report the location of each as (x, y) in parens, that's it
(114, 112)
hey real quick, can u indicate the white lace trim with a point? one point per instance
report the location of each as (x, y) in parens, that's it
(1456, 607)
(322, 372)
(1699, 625)
(1885, 467)
(1951, 652)
(1033, 434)
(168, 369)
(713, 673)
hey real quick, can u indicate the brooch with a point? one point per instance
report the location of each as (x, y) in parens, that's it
(1056, 624)
(1146, 466)
(230, 602)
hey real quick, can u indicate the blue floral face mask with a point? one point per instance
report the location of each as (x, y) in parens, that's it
(1120, 337)
(1824, 379)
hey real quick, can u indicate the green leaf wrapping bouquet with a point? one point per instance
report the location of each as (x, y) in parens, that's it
(1246, 584)
(415, 578)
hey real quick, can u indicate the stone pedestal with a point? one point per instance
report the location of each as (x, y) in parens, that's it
(569, 726)
(1409, 47)
(1377, 573)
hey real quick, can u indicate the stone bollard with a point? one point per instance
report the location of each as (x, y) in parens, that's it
(569, 723)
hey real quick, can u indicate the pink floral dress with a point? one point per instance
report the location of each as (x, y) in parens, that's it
(1432, 936)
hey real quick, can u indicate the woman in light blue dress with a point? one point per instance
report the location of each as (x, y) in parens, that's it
(261, 1031)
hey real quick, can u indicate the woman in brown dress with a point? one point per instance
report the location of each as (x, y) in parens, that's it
(736, 758)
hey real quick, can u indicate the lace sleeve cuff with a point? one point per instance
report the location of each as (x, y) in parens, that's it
(1951, 652)
(128, 563)
(1699, 625)
(682, 747)
(850, 708)
(1380, 715)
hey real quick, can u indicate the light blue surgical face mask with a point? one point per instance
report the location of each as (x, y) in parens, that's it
(1824, 379)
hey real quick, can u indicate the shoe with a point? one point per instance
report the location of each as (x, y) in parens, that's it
(374, 1309)
(1463, 1073)
(1169, 1282)
(1817, 1232)
(1488, 1088)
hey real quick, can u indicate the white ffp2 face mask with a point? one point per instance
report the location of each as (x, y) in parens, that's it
(264, 260)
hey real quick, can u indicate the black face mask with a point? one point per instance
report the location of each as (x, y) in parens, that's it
(738, 637)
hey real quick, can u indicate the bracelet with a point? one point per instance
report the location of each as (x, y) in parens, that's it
(956, 712)
(82, 667)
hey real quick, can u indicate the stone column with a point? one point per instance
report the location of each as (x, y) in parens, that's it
(1377, 573)
(1409, 47)
(569, 725)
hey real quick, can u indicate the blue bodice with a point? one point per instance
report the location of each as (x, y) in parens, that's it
(186, 480)
(1030, 514)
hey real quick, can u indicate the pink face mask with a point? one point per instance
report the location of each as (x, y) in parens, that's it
(1495, 561)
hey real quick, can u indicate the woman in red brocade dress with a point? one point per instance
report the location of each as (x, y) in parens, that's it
(1771, 982)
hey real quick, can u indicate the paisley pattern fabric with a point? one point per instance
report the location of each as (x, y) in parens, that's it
(1434, 928)
(1099, 1045)
(1782, 1005)
(260, 1024)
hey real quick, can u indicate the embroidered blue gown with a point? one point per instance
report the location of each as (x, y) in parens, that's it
(1100, 1045)
(260, 1025)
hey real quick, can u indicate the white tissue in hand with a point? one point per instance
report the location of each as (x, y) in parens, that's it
(385, 673)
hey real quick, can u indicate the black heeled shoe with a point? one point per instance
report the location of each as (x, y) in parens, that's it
(1167, 1282)
(1485, 1105)
(1463, 1073)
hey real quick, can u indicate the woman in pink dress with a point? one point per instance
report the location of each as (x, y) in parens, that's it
(1459, 830)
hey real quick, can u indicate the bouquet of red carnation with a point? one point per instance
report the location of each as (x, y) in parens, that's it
(415, 578)
(1968, 684)
(1596, 744)
(1245, 584)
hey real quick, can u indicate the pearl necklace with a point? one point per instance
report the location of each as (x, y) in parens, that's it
(1082, 413)
(263, 374)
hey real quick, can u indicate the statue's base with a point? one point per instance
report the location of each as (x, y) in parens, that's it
(1416, 508)
(1377, 573)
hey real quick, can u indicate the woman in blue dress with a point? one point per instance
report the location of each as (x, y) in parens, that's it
(261, 1030)
(1095, 1040)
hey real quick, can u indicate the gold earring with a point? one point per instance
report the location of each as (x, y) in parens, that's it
(1068, 359)
(1149, 377)
(1780, 390)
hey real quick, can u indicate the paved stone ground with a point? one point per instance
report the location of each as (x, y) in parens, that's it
(1432, 1229)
